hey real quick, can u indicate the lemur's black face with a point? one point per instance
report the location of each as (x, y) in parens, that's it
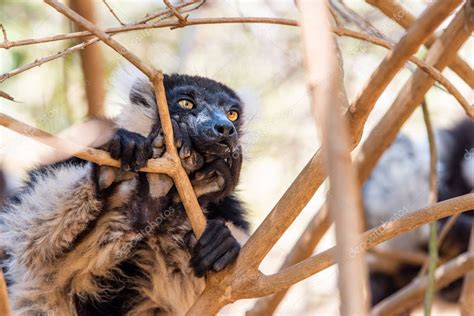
(211, 111)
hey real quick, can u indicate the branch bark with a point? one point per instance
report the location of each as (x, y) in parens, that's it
(92, 63)
(328, 101)
(405, 19)
(413, 294)
(467, 295)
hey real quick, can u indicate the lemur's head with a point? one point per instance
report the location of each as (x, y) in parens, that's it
(211, 111)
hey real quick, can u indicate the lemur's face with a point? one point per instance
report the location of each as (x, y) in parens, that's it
(211, 111)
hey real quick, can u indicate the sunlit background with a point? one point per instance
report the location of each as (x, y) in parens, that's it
(262, 62)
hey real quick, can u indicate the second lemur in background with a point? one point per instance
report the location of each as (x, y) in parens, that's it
(399, 184)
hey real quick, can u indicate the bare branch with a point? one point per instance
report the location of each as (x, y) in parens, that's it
(328, 101)
(4, 33)
(181, 19)
(287, 277)
(4, 304)
(398, 14)
(113, 12)
(339, 31)
(425, 25)
(467, 295)
(5, 95)
(379, 139)
(412, 294)
(100, 157)
(433, 197)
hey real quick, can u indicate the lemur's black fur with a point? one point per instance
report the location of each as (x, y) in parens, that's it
(83, 239)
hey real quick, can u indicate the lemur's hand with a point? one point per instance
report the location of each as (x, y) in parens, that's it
(132, 149)
(191, 160)
(215, 250)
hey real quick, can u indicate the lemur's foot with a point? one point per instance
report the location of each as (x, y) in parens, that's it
(132, 149)
(215, 250)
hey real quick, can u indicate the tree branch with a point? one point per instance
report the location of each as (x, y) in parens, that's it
(413, 293)
(328, 101)
(378, 140)
(467, 295)
(113, 12)
(405, 19)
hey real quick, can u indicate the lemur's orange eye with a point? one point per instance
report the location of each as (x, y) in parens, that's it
(233, 115)
(186, 104)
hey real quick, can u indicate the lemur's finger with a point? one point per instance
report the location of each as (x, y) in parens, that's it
(143, 152)
(115, 147)
(159, 140)
(178, 136)
(222, 237)
(186, 145)
(226, 259)
(128, 149)
(203, 264)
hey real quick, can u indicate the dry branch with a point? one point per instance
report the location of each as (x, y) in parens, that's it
(111, 12)
(100, 157)
(339, 31)
(379, 139)
(467, 295)
(398, 14)
(92, 63)
(408, 45)
(181, 19)
(183, 185)
(4, 304)
(432, 198)
(413, 294)
(287, 277)
(328, 101)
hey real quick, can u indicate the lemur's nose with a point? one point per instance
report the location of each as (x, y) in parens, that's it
(224, 129)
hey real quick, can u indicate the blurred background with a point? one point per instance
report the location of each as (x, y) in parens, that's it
(262, 62)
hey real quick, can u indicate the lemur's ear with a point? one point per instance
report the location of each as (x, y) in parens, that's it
(142, 93)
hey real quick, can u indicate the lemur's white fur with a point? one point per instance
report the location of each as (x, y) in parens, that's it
(61, 239)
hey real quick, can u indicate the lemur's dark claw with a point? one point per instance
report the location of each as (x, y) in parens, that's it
(215, 250)
(132, 149)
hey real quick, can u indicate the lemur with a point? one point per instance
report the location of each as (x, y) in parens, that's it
(84, 239)
(399, 184)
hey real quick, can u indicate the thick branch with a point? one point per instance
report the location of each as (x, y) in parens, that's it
(398, 14)
(467, 295)
(284, 279)
(92, 63)
(413, 294)
(100, 157)
(328, 101)
(416, 35)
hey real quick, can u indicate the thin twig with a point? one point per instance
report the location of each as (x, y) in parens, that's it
(339, 31)
(433, 197)
(181, 19)
(113, 12)
(4, 33)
